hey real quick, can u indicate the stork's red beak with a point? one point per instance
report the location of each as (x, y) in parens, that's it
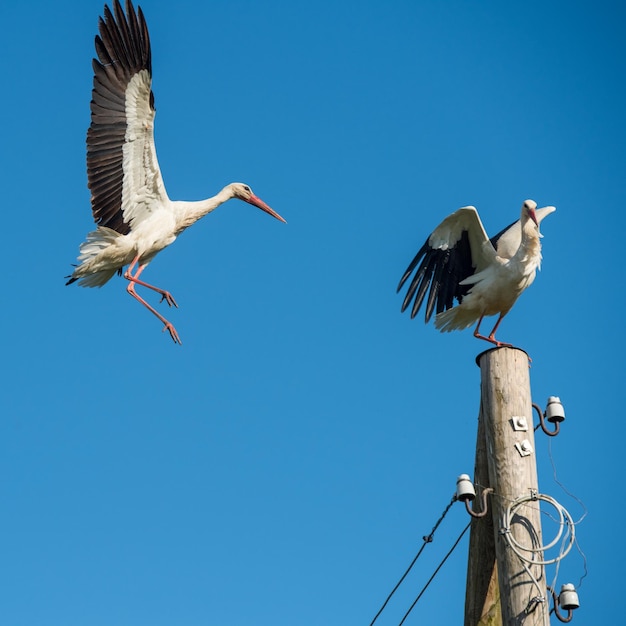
(533, 216)
(257, 202)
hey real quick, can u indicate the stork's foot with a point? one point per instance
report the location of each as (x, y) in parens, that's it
(172, 331)
(501, 344)
(493, 340)
(169, 298)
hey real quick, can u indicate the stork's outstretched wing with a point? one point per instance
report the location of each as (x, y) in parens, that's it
(456, 249)
(122, 168)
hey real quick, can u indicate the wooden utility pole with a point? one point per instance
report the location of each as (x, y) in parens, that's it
(505, 461)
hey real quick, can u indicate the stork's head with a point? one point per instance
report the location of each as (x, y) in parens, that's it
(243, 192)
(529, 212)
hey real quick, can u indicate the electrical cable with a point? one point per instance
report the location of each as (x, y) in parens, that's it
(579, 520)
(445, 558)
(427, 539)
(536, 551)
(563, 487)
(565, 519)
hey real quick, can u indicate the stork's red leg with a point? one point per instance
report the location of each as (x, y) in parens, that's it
(131, 290)
(128, 275)
(492, 335)
(477, 329)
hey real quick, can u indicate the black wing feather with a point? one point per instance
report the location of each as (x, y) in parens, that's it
(439, 272)
(123, 49)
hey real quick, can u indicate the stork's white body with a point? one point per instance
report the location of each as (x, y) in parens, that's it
(495, 289)
(486, 276)
(105, 251)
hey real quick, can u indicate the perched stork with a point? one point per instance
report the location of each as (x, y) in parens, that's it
(135, 217)
(486, 276)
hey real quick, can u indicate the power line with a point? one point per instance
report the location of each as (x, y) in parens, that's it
(445, 558)
(427, 539)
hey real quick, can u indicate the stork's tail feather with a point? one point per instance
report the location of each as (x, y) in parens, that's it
(95, 279)
(455, 319)
(104, 253)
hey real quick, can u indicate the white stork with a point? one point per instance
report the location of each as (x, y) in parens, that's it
(486, 276)
(135, 217)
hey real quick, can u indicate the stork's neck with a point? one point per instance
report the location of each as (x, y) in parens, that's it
(529, 252)
(188, 213)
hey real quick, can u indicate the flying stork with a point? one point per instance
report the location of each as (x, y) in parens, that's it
(486, 276)
(134, 216)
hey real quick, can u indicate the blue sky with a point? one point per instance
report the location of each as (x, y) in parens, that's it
(282, 466)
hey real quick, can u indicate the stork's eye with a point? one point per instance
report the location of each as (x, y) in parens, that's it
(247, 188)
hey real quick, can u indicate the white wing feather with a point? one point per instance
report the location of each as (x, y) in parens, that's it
(143, 188)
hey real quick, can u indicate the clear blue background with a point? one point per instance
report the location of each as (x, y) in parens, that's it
(282, 466)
